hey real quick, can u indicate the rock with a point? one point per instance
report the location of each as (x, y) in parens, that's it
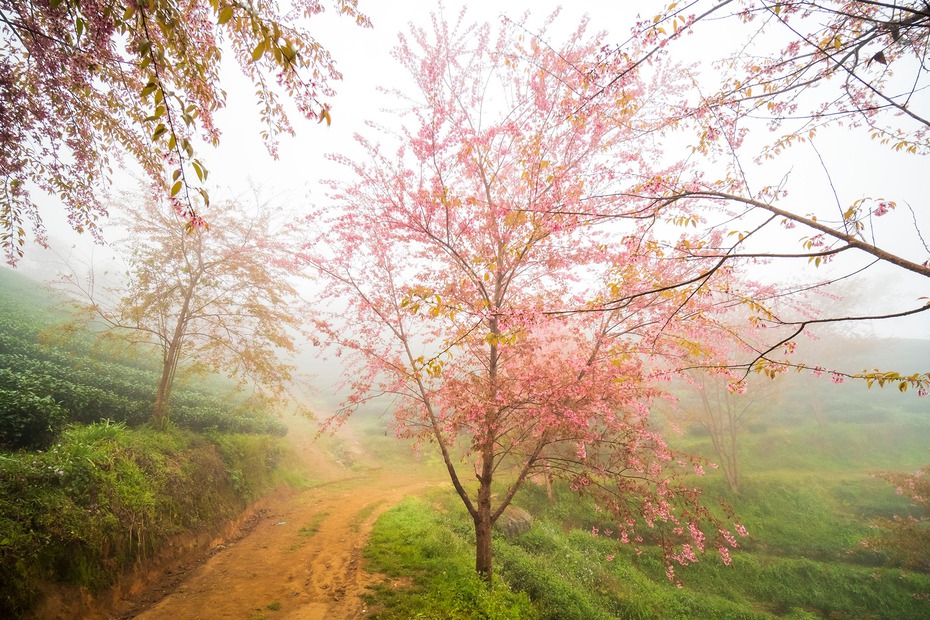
(514, 521)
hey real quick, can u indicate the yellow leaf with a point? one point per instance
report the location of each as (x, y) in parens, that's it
(225, 15)
(259, 50)
(176, 188)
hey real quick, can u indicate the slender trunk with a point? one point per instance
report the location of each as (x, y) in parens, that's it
(484, 554)
(163, 394)
(483, 517)
(172, 356)
(733, 467)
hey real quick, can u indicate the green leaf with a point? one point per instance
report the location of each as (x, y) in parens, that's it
(225, 15)
(176, 188)
(159, 131)
(145, 47)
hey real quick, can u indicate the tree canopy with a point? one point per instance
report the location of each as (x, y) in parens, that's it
(794, 73)
(85, 83)
(216, 298)
(450, 248)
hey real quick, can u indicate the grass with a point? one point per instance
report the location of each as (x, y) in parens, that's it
(418, 547)
(808, 499)
(314, 525)
(356, 524)
(105, 495)
(425, 545)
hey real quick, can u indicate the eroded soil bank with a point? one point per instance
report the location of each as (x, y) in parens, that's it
(295, 554)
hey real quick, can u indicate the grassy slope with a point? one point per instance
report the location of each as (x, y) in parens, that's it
(93, 379)
(103, 495)
(807, 501)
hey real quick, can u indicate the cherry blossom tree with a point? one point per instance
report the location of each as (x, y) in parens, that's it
(84, 82)
(446, 256)
(218, 298)
(795, 71)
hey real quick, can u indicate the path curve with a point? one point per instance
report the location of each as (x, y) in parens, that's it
(302, 558)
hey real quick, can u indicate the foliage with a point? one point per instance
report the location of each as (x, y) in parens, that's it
(455, 254)
(27, 420)
(219, 299)
(411, 542)
(84, 83)
(90, 385)
(798, 73)
(104, 495)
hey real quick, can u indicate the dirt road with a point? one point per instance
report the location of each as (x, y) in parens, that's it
(301, 558)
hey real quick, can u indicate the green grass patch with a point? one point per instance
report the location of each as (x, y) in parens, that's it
(431, 574)
(426, 547)
(313, 526)
(356, 524)
(105, 495)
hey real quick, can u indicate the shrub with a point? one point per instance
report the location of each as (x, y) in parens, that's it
(104, 495)
(27, 420)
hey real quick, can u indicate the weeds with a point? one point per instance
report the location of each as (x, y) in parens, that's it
(105, 495)
(314, 525)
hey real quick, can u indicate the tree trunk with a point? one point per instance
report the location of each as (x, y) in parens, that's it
(163, 394)
(171, 358)
(484, 554)
(733, 464)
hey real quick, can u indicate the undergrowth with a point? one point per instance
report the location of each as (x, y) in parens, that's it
(104, 496)
(568, 573)
(431, 571)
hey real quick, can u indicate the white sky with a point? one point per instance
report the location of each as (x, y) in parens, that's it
(363, 56)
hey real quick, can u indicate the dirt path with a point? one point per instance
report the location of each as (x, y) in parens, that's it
(302, 557)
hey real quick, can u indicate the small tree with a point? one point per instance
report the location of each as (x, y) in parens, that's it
(83, 83)
(724, 409)
(221, 297)
(450, 252)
